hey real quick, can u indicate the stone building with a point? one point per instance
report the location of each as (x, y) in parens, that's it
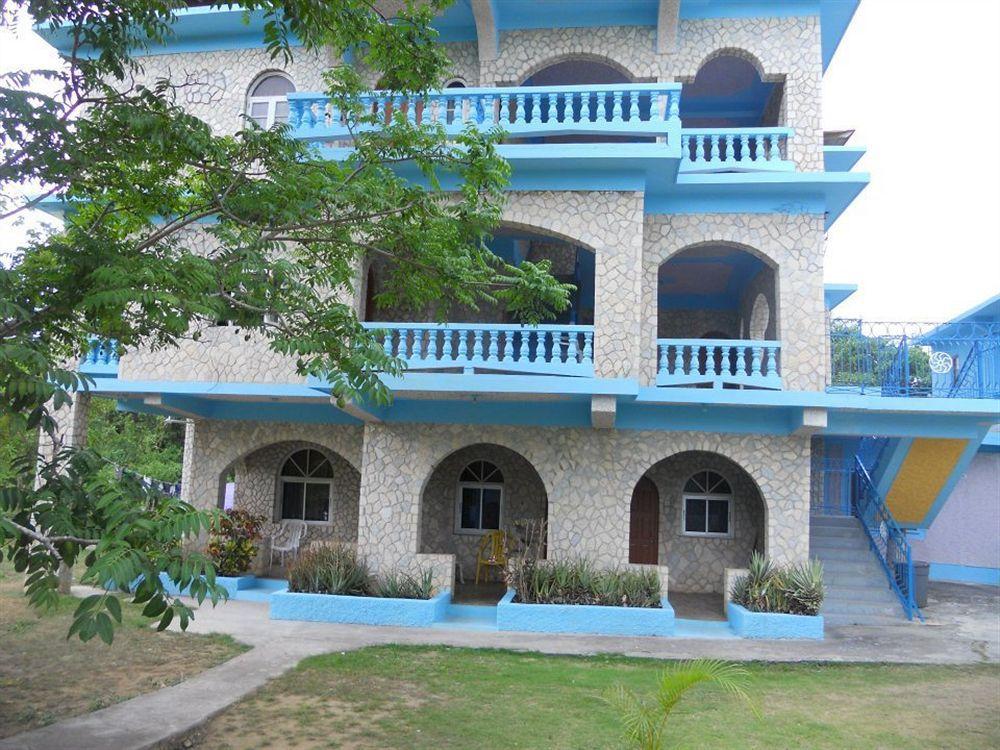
(669, 159)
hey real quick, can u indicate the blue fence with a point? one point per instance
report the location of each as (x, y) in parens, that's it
(952, 360)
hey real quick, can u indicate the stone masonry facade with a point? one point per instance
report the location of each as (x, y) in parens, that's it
(394, 487)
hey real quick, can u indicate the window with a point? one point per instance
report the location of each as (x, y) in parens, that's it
(480, 498)
(708, 503)
(267, 102)
(760, 318)
(306, 483)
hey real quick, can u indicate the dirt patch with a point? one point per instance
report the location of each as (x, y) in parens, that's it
(45, 678)
(340, 714)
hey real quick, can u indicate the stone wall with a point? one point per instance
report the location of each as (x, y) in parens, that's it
(523, 499)
(697, 564)
(258, 490)
(761, 284)
(791, 243)
(214, 85)
(694, 324)
(588, 477)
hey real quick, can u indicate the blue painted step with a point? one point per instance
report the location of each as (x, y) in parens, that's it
(469, 617)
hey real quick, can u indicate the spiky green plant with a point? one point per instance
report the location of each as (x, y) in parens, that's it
(403, 585)
(803, 588)
(645, 721)
(790, 589)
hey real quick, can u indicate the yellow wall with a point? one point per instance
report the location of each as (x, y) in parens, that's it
(926, 468)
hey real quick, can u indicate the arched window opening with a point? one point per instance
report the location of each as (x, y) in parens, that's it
(267, 102)
(479, 503)
(728, 92)
(306, 487)
(707, 505)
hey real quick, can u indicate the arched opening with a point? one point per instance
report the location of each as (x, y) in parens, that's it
(712, 516)
(728, 91)
(570, 263)
(296, 481)
(267, 99)
(726, 296)
(472, 493)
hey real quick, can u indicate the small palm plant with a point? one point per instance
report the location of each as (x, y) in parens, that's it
(645, 721)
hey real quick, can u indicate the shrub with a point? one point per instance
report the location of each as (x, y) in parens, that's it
(401, 585)
(232, 543)
(336, 569)
(329, 569)
(579, 582)
(790, 589)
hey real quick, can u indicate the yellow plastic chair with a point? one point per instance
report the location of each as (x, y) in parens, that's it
(492, 552)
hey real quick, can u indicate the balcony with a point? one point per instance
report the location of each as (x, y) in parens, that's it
(634, 109)
(735, 150)
(101, 360)
(915, 360)
(566, 350)
(719, 363)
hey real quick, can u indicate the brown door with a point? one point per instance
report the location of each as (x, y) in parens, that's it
(644, 524)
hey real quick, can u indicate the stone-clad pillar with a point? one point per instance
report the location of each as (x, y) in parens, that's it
(71, 427)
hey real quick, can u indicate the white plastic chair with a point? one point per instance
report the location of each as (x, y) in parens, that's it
(286, 539)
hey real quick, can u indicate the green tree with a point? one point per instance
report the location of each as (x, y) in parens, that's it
(143, 443)
(168, 224)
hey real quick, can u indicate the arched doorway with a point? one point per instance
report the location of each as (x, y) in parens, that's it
(712, 517)
(473, 492)
(728, 91)
(644, 524)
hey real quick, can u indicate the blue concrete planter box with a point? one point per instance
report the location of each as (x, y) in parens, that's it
(232, 584)
(747, 624)
(584, 618)
(360, 610)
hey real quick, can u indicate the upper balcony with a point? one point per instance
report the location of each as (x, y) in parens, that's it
(960, 359)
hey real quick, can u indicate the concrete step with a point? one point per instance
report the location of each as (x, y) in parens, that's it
(837, 532)
(857, 594)
(845, 554)
(854, 619)
(834, 522)
(860, 608)
(853, 543)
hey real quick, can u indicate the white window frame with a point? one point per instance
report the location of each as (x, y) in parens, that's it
(270, 101)
(728, 499)
(459, 529)
(328, 481)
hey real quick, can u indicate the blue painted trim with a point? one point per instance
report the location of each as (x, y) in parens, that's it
(485, 383)
(207, 388)
(961, 466)
(842, 158)
(835, 294)
(232, 584)
(199, 29)
(964, 574)
(359, 610)
(773, 626)
(584, 618)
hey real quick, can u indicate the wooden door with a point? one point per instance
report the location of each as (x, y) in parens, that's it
(644, 524)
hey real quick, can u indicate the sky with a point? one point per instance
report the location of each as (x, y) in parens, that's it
(919, 82)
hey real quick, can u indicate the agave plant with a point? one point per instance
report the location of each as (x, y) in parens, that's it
(792, 589)
(803, 588)
(645, 721)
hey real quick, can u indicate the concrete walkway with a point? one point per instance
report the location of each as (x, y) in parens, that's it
(963, 627)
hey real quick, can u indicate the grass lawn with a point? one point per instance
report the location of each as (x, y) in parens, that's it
(438, 698)
(45, 678)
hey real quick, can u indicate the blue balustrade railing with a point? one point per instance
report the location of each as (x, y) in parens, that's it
(718, 362)
(886, 538)
(631, 109)
(101, 358)
(735, 149)
(915, 360)
(501, 348)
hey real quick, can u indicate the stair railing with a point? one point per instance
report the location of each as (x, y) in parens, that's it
(968, 367)
(886, 538)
